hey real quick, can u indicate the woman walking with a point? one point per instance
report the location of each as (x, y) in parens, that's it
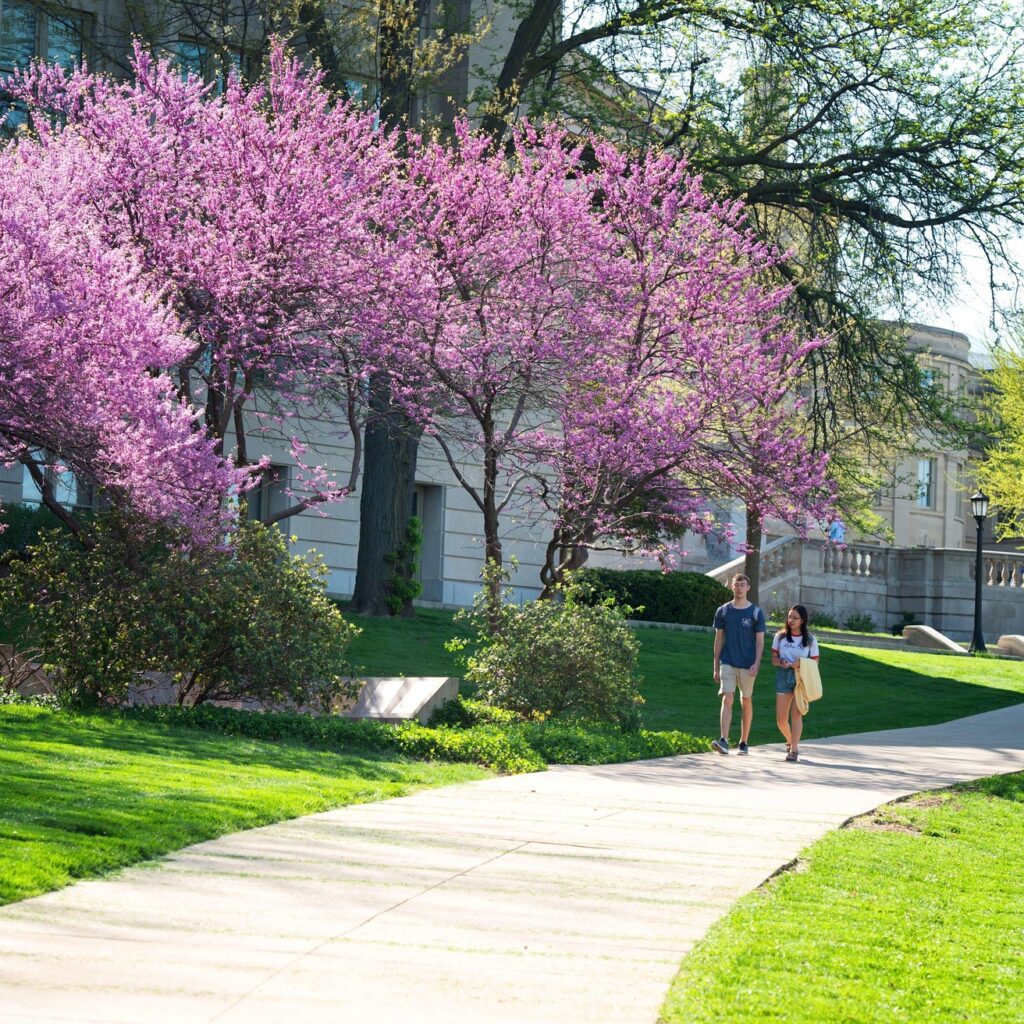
(791, 644)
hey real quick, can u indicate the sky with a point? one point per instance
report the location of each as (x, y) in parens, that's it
(970, 311)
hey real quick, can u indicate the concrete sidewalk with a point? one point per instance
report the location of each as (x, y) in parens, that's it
(570, 895)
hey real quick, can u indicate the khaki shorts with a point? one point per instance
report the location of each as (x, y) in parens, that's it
(731, 677)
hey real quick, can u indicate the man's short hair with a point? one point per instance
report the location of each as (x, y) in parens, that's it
(739, 576)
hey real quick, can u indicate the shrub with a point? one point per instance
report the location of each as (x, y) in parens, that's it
(249, 621)
(555, 657)
(23, 525)
(402, 586)
(905, 619)
(511, 747)
(84, 611)
(690, 598)
(822, 620)
(463, 713)
(861, 622)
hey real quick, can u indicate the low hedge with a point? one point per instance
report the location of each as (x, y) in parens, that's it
(510, 747)
(568, 741)
(689, 598)
(487, 745)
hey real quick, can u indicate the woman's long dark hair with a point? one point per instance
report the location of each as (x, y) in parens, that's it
(805, 636)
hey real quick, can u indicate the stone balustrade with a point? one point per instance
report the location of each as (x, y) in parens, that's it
(933, 586)
(854, 560)
(999, 570)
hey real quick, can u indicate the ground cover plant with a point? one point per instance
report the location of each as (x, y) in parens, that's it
(463, 731)
(86, 795)
(909, 914)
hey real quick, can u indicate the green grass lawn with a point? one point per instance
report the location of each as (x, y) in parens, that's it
(411, 647)
(84, 795)
(912, 914)
(864, 689)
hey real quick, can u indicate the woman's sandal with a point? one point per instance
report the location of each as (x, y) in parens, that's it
(792, 756)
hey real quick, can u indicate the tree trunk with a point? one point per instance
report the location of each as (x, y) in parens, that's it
(752, 561)
(392, 439)
(385, 504)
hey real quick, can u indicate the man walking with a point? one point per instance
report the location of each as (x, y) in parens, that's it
(739, 644)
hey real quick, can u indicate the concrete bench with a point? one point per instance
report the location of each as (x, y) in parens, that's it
(931, 639)
(1012, 644)
(401, 698)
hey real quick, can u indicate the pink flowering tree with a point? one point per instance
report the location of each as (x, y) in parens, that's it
(499, 252)
(85, 346)
(693, 393)
(598, 341)
(257, 212)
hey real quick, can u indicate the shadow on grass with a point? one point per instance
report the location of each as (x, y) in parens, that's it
(84, 795)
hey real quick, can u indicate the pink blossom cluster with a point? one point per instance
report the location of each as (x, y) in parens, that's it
(596, 331)
(85, 346)
(182, 272)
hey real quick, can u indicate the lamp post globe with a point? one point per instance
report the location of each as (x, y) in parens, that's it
(979, 509)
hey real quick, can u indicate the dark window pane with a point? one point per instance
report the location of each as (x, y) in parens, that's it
(17, 35)
(64, 41)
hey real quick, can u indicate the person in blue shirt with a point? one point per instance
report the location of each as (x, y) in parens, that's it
(837, 532)
(739, 644)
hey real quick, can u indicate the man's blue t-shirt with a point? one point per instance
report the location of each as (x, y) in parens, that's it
(741, 626)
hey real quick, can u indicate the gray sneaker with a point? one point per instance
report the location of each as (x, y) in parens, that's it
(742, 748)
(721, 745)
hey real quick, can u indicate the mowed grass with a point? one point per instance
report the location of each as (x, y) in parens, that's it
(912, 914)
(81, 796)
(864, 689)
(409, 647)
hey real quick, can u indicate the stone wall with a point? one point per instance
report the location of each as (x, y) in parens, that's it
(935, 585)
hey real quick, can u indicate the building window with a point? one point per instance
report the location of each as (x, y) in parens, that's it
(68, 489)
(926, 483)
(363, 91)
(270, 495)
(211, 64)
(26, 32)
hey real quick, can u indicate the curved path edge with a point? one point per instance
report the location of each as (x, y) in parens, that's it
(570, 895)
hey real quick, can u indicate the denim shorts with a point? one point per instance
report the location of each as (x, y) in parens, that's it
(785, 680)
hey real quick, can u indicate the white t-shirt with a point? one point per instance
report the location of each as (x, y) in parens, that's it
(790, 650)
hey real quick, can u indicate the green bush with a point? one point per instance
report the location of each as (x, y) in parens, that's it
(463, 713)
(512, 747)
(23, 525)
(861, 622)
(822, 620)
(690, 598)
(555, 657)
(249, 621)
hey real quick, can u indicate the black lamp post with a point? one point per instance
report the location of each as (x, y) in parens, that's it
(979, 509)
